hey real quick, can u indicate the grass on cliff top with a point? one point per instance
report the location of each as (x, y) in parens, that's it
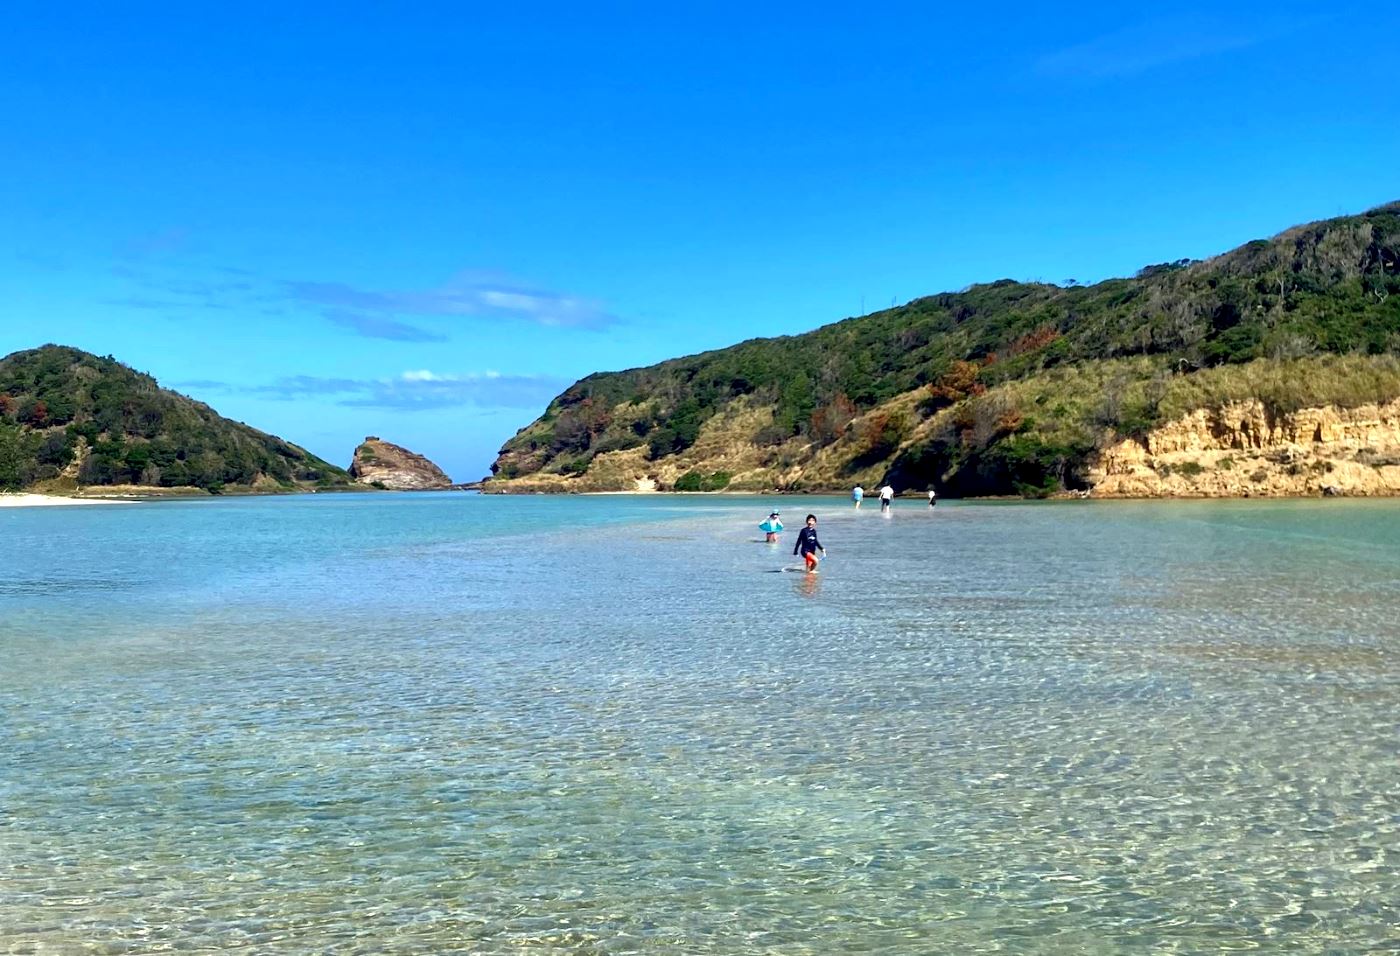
(1133, 396)
(1347, 381)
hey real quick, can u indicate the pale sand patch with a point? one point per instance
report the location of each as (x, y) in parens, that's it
(8, 500)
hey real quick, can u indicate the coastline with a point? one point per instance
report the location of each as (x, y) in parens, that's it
(130, 494)
(31, 500)
(1090, 495)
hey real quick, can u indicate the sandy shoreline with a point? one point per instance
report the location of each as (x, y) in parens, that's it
(49, 501)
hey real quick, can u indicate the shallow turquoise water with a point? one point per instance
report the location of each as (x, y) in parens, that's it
(450, 723)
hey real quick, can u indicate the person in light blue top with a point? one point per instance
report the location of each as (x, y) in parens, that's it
(770, 527)
(857, 493)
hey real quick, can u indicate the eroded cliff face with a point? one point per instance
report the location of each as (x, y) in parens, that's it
(1242, 451)
(379, 462)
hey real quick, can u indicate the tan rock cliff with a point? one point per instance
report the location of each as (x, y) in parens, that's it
(1241, 450)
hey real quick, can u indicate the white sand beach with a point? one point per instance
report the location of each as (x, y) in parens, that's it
(8, 500)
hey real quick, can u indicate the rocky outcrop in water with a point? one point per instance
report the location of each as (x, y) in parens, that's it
(383, 464)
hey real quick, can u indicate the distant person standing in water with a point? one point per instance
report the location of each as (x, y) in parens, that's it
(770, 527)
(932, 497)
(886, 498)
(857, 493)
(808, 545)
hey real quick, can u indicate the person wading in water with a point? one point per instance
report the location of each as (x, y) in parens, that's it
(808, 545)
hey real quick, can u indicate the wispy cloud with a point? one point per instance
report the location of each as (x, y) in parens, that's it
(381, 327)
(1149, 45)
(207, 288)
(146, 303)
(45, 261)
(160, 242)
(156, 288)
(414, 390)
(203, 384)
(474, 295)
(371, 313)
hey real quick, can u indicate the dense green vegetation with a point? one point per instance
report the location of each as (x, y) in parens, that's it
(105, 424)
(1331, 287)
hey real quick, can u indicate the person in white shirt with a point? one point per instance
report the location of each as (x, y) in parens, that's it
(886, 498)
(932, 497)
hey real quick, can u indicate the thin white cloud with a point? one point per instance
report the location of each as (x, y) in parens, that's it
(1146, 46)
(469, 295)
(392, 315)
(413, 390)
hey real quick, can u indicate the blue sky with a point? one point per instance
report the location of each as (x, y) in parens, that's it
(423, 222)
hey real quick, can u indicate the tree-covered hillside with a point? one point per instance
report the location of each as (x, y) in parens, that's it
(68, 414)
(1328, 287)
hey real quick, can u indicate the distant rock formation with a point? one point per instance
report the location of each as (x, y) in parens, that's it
(386, 465)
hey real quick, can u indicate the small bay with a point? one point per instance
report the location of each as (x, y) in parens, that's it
(398, 723)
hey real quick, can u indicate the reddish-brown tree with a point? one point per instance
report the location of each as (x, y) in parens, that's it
(1035, 339)
(959, 382)
(829, 421)
(36, 414)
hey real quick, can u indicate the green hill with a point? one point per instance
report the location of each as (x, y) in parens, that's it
(71, 418)
(1005, 387)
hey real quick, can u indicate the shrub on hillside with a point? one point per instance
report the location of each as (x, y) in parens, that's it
(696, 481)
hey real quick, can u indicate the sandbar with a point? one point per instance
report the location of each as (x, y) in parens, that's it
(8, 500)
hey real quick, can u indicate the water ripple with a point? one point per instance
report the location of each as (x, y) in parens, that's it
(998, 729)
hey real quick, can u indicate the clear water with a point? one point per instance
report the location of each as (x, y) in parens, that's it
(449, 723)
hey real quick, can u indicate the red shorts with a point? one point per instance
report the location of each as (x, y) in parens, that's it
(811, 558)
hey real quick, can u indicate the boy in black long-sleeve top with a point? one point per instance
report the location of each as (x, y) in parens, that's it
(808, 545)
